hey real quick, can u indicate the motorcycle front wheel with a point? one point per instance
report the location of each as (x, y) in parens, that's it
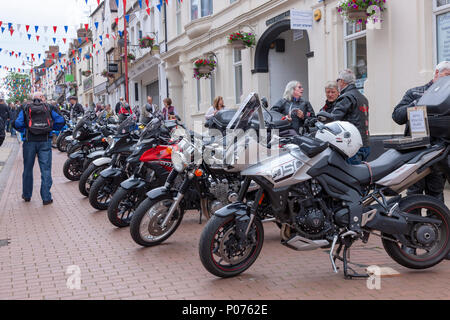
(101, 193)
(431, 241)
(123, 206)
(73, 169)
(145, 226)
(221, 251)
(88, 178)
(61, 142)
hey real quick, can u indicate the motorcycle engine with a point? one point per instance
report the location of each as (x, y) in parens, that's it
(224, 191)
(312, 222)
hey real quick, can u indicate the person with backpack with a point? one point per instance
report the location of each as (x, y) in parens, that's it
(36, 121)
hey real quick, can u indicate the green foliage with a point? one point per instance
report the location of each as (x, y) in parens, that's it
(18, 86)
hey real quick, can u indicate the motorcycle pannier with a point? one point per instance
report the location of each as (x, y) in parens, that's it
(437, 101)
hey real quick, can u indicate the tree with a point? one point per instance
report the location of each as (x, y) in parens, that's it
(18, 86)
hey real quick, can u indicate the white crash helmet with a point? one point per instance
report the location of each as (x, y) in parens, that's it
(343, 135)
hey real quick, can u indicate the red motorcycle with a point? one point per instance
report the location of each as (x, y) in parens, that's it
(152, 162)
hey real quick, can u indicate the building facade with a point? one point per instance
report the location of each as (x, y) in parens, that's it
(388, 59)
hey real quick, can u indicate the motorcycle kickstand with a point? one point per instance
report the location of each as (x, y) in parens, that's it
(346, 267)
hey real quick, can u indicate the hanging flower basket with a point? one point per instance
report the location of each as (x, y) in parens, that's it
(146, 42)
(360, 10)
(203, 68)
(107, 74)
(242, 40)
(130, 56)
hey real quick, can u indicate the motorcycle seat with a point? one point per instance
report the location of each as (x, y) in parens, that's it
(388, 162)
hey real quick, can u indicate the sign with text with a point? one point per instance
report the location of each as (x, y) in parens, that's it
(301, 20)
(418, 121)
(443, 36)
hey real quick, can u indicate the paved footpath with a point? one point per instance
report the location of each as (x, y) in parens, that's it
(45, 241)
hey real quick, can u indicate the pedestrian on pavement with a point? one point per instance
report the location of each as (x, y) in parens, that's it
(119, 105)
(294, 106)
(353, 106)
(76, 109)
(13, 113)
(332, 93)
(216, 107)
(148, 110)
(434, 183)
(37, 120)
(4, 117)
(168, 111)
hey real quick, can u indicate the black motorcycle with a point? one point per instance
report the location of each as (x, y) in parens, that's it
(107, 182)
(152, 163)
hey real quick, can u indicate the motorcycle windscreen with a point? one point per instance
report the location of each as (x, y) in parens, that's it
(127, 125)
(242, 117)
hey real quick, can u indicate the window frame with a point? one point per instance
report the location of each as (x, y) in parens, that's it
(237, 64)
(200, 10)
(352, 37)
(437, 11)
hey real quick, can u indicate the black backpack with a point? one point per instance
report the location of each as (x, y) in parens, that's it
(39, 118)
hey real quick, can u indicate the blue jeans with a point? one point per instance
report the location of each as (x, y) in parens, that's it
(43, 150)
(360, 156)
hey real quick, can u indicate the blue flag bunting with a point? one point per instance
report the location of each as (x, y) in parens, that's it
(80, 40)
(101, 37)
(101, 43)
(36, 28)
(140, 4)
(159, 5)
(29, 36)
(3, 29)
(117, 3)
(120, 33)
(9, 25)
(128, 18)
(66, 28)
(80, 50)
(54, 40)
(96, 25)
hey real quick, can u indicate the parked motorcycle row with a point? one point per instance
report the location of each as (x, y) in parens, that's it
(147, 177)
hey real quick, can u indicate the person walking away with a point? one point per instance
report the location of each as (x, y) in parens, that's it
(293, 106)
(332, 93)
(37, 120)
(76, 109)
(353, 106)
(168, 111)
(4, 117)
(216, 107)
(13, 115)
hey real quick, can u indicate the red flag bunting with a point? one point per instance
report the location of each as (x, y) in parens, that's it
(37, 38)
(27, 27)
(146, 2)
(86, 26)
(148, 11)
(64, 39)
(54, 28)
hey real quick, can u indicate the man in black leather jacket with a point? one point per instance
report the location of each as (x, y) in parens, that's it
(353, 106)
(434, 183)
(293, 106)
(76, 109)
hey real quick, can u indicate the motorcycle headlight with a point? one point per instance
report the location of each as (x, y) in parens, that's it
(78, 134)
(178, 160)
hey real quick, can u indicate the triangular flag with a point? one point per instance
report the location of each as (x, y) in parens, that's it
(54, 40)
(3, 29)
(37, 38)
(86, 26)
(101, 43)
(117, 21)
(140, 3)
(45, 29)
(66, 28)
(12, 31)
(93, 45)
(148, 11)
(9, 25)
(101, 37)
(127, 17)
(96, 25)
(87, 39)
(64, 39)
(98, 2)
(80, 40)
(1, 23)
(159, 5)
(27, 27)
(36, 28)
(117, 3)
(29, 36)
(107, 36)
(120, 33)
(147, 3)
(55, 28)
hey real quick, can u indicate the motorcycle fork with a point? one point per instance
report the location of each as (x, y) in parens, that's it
(184, 188)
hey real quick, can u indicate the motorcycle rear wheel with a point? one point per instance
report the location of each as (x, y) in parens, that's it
(72, 169)
(434, 252)
(220, 251)
(145, 226)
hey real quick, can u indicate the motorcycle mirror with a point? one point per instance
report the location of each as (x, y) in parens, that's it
(324, 117)
(264, 102)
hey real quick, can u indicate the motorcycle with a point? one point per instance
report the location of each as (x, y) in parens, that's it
(152, 163)
(320, 200)
(109, 179)
(90, 138)
(203, 187)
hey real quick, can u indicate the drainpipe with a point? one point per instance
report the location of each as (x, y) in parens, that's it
(165, 43)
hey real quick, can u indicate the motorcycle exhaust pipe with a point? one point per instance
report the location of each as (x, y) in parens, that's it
(299, 243)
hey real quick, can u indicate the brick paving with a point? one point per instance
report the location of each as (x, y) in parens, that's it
(45, 241)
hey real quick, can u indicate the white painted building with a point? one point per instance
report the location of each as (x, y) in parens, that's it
(414, 36)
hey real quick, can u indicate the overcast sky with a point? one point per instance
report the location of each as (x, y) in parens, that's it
(41, 13)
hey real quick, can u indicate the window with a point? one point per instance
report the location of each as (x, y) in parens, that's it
(237, 65)
(178, 8)
(201, 8)
(136, 91)
(356, 52)
(442, 22)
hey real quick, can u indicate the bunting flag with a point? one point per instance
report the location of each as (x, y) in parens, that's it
(117, 21)
(3, 29)
(55, 28)
(86, 26)
(36, 28)
(1, 23)
(27, 27)
(29, 36)
(159, 5)
(96, 25)
(148, 11)
(66, 28)
(140, 3)
(54, 40)
(37, 38)
(64, 39)
(147, 3)
(127, 17)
